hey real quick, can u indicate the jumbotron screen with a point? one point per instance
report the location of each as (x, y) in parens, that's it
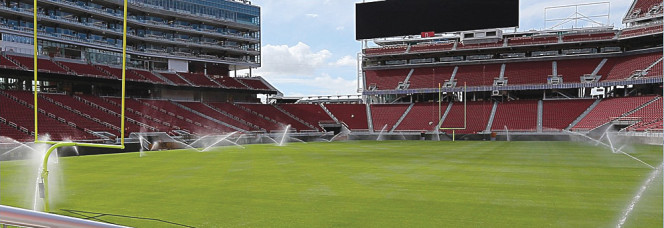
(410, 17)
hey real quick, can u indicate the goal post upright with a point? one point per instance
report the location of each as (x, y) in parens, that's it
(465, 112)
(58, 144)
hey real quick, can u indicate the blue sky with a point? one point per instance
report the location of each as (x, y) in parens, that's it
(309, 47)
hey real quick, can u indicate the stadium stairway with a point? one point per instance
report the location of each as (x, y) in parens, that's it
(611, 108)
(540, 113)
(182, 118)
(583, 115)
(420, 117)
(328, 113)
(369, 119)
(142, 126)
(212, 112)
(235, 118)
(246, 115)
(175, 79)
(85, 116)
(295, 117)
(244, 130)
(274, 114)
(492, 117)
(135, 109)
(312, 114)
(131, 115)
(354, 116)
(385, 116)
(403, 116)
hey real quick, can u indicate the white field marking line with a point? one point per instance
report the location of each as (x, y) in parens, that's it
(638, 195)
(611, 147)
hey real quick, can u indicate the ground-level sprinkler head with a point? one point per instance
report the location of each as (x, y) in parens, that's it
(41, 190)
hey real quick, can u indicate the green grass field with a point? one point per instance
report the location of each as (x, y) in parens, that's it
(359, 184)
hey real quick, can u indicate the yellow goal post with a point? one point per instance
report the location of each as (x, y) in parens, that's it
(440, 112)
(57, 144)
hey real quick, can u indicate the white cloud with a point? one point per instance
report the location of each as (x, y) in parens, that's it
(345, 61)
(312, 15)
(298, 70)
(339, 28)
(322, 84)
(296, 60)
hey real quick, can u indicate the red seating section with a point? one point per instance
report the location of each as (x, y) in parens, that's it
(182, 118)
(528, 72)
(254, 83)
(480, 45)
(228, 82)
(423, 78)
(478, 114)
(517, 73)
(310, 113)
(60, 112)
(44, 65)
(138, 75)
(516, 115)
(117, 73)
(609, 109)
(647, 116)
(385, 50)
(132, 106)
(625, 66)
(174, 78)
(386, 115)
(148, 75)
(5, 63)
(205, 110)
(422, 117)
(477, 75)
(95, 115)
(386, 79)
(246, 116)
(629, 32)
(13, 133)
(277, 115)
(572, 70)
(23, 116)
(431, 47)
(559, 114)
(644, 6)
(515, 41)
(83, 69)
(199, 79)
(588, 37)
(353, 115)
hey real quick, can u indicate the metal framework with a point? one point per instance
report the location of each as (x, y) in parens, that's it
(56, 144)
(579, 16)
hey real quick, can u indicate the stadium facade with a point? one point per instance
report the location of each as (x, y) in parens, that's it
(183, 55)
(194, 43)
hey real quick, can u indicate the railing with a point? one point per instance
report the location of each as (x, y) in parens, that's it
(27, 218)
(650, 80)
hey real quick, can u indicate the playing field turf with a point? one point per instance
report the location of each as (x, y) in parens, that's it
(359, 184)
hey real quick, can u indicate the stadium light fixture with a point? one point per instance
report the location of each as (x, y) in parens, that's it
(58, 144)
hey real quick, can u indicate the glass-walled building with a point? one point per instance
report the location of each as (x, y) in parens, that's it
(176, 35)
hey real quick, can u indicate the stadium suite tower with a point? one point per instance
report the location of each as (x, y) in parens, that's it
(184, 49)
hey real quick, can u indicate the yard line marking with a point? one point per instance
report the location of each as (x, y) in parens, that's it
(638, 195)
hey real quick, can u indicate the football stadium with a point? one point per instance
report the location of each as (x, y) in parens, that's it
(147, 113)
